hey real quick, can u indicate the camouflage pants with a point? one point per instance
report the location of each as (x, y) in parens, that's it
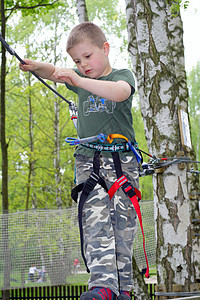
(109, 226)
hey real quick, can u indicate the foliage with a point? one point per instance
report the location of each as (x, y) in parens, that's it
(108, 13)
(30, 7)
(193, 79)
(176, 5)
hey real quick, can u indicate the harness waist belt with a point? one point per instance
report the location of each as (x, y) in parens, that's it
(124, 147)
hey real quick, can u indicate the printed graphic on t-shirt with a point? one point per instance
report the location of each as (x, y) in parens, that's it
(98, 104)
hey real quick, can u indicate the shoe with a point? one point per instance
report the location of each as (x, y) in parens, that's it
(124, 296)
(90, 296)
(98, 293)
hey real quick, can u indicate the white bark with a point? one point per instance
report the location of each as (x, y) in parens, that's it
(156, 48)
(81, 11)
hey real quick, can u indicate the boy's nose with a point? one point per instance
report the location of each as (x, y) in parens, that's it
(83, 63)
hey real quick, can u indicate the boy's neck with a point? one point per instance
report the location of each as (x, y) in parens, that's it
(107, 70)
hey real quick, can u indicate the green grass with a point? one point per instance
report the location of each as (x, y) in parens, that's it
(78, 279)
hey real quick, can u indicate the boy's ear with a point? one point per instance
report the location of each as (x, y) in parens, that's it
(106, 48)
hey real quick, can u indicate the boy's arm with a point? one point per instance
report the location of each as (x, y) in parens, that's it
(115, 91)
(42, 69)
(118, 91)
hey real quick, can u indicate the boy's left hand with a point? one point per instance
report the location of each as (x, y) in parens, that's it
(67, 75)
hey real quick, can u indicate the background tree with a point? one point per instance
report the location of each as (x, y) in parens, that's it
(157, 52)
(81, 11)
(193, 80)
(7, 8)
(194, 113)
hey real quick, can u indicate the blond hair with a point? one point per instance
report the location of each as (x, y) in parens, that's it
(86, 30)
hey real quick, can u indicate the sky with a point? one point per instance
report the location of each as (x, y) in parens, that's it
(191, 37)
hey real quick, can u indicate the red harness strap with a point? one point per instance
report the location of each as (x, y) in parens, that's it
(116, 185)
(133, 194)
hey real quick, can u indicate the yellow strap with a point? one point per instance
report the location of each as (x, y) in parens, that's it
(113, 136)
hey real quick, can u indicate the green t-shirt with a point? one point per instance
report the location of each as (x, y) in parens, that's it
(99, 115)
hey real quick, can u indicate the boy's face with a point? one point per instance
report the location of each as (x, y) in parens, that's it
(91, 60)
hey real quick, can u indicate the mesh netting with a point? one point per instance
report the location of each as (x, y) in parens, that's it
(48, 242)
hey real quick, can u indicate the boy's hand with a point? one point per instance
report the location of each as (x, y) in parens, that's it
(67, 75)
(42, 69)
(29, 66)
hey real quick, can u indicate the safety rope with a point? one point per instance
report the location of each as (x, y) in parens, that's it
(147, 168)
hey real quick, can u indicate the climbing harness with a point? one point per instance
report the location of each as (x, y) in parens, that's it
(121, 182)
(144, 168)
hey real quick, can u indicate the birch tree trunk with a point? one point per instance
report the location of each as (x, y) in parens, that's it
(81, 11)
(157, 53)
(57, 131)
(4, 154)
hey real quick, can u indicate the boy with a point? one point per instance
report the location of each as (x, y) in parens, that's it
(105, 100)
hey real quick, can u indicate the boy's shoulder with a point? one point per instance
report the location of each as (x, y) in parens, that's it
(120, 70)
(122, 74)
(125, 72)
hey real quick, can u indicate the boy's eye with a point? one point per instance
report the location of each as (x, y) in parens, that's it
(88, 56)
(77, 61)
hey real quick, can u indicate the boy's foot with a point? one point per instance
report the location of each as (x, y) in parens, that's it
(98, 293)
(124, 295)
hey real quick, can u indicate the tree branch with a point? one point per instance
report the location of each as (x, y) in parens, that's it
(17, 6)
